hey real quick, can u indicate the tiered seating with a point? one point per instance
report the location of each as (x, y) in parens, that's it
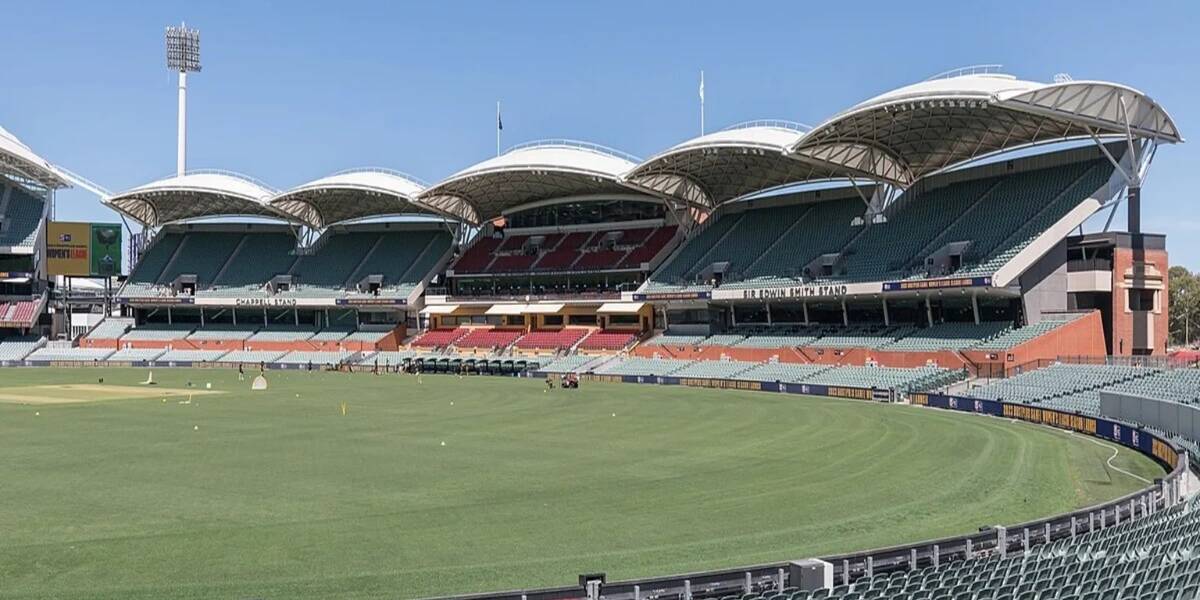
(1178, 385)
(367, 335)
(489, 338)
(252, 356)
(823, 228)
(22, 218)
(223, 332)
(949, 336)
(923, 378)
(599, 260)
(671, 339)
(191, 356)
(513, 263)
(568, 364)
(785, 372)
(403, 258)
(477, 258)
(862, 336)
(437, 338)
(261, 257)
(331, 334)
(680, 271)
(70, 354)
(1152, 557)
(779, 336)
(287, 333)
(644, 367)
(203, 254)
(575, 251)
(24, 311)
(1062, 381)
(883, 250)
(109, 329)
(606, 339)
(1015, 337)
(715, 369)
(316, 358)
(328, 271)
(551, 339)
(1020, 208)
(562, 256)
(649, 248)
(20, 346)
(135, 354)
(157, 332)
(723, 339)
(150, 265)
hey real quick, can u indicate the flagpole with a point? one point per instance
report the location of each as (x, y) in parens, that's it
(701, 102)
(499, 128)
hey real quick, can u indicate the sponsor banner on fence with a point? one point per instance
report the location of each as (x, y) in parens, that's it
(258, 302)
(936, 284)
(1099, 427)
(668, 296)
(159, 301)
(16, 275)
(371, 301)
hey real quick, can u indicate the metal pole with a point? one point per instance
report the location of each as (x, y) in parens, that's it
(181, 151)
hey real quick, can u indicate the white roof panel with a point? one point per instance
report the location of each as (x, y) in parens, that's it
(620, 308)
(543, 309)
(529, 173)
(195, 194)
(356, 194)
(728, 164)
(19, 160)
(921, 129)
(439, 309)
(506, 309)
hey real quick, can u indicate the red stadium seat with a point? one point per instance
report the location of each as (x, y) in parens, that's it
(551, 339)
(604, 339)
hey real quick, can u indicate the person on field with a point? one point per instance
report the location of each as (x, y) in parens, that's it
(241, 373)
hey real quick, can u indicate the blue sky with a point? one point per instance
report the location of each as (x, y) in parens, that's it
(294, 91)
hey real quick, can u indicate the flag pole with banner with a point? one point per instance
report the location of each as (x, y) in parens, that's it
(701, 102)
(499, 127)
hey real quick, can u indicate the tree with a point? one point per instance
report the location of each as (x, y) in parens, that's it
(1184, 296)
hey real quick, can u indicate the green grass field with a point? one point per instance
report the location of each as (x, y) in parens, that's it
(277, 495)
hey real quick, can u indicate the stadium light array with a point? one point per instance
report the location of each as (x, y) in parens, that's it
(183, 49)
(183, 57)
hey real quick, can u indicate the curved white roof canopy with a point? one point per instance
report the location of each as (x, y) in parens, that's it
(927, 127)
(349, 195)
(526, 174)
(18, 161)
(193, 195)
(722, 166)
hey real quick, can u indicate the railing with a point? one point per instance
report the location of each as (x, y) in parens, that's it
(969, 70)
(575, 145)
(385, 171)
(772, 123)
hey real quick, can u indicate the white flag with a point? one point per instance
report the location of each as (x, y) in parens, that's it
(702, 86)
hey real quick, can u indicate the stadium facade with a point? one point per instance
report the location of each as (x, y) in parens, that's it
(937, 224)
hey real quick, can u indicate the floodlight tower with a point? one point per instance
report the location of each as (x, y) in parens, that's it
(183, 57)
